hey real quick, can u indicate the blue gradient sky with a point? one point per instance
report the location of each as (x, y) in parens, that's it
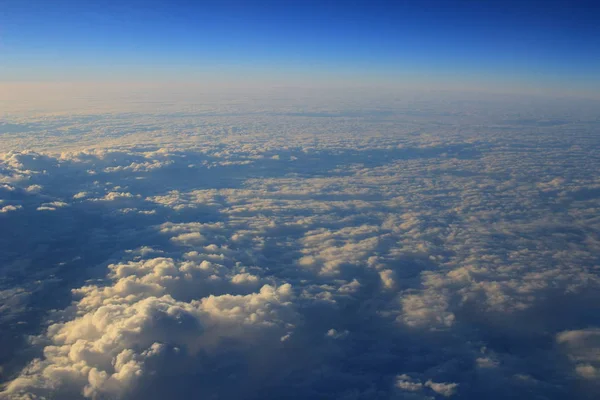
(553, 44)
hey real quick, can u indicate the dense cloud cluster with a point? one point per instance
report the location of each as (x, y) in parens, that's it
(421, 250)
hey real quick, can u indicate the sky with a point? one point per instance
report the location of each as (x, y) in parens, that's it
(245, 200)
(551, 45)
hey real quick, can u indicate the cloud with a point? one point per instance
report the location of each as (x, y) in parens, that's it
(10, 208)
(240, 254)
(583, 349)
(106, 351)
(408, 384)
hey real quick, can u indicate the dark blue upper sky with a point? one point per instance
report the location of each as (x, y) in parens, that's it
(546, 44)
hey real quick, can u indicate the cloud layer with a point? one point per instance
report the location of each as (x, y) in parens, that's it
(323, 254)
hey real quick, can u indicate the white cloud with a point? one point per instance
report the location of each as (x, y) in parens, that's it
(405, 383)
(10, 208)
(259, 251)
(583, 349)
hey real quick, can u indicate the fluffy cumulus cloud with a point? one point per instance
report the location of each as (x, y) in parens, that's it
(419, 249)
(583, 349)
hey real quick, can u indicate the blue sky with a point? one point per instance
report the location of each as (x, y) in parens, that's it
(544, 44)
